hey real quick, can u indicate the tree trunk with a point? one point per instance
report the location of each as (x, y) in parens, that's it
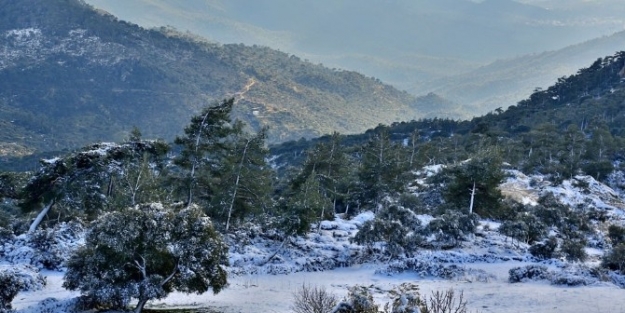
(472, 198)
(195, 160)
(41, 216)
(236, 184)
(140, 305)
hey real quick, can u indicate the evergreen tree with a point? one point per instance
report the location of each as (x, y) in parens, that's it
(207, 140)
(382, 170)
(84, 183)
(331, 165)
(305, 206)
(244, 180)
(473, 185)
(145, 253)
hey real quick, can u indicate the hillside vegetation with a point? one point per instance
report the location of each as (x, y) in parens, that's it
(508, 81)
(540, 183)
(70, 75)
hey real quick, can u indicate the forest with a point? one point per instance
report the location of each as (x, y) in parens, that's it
(137, 199)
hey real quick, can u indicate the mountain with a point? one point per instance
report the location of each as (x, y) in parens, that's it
(410, 42)
(508, 81)
(583, 112)
(71, 74)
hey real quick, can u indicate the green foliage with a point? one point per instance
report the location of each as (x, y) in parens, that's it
(305, 206)
(11, 286)
(93, 180)
(331, 166)
(616, 234)
(516, 229)
(145, 253)
(243, 182)
(485, 174)
(396, 226)
(451, 227)
(573, 249)
(615, 258)
(545, 250)
(204, 146)
(383, 169)
(359, 300)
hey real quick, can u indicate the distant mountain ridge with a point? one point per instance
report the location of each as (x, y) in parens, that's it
(505, 82)
(71, 75)
(410, 43)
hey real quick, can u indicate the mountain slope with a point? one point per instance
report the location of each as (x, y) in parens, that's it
(411, 42)
(506, 82)
(70, 75)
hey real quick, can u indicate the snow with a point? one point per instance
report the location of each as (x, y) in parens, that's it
(273, 293)
(479, 267)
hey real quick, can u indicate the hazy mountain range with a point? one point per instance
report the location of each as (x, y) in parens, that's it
(70, 75)
(418, 46)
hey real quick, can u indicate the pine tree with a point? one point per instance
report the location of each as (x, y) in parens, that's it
(382, 170)
(85, 183)
(473, 185)
(331, 166)
(203, 147)
(305, 206)
(244, 180)
(145, 253)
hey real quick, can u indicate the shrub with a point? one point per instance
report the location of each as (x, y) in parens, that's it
(359, 300)
(616, 234)
(313, 300)
(517, 230)
(445, 302)
(412, 202)
(397, 226)
(574, 250)
(529, 272)
(615, 259)
(11, 285)
(452, 227)
(545, 250)
(145, 253)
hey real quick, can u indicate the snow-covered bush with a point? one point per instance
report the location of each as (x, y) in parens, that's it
(411, 201)
(450, 228)
(15, 280)
(616, 234)
(145, 253)
(11, 285)
(546, 249)
(406, 299)
(436, 269)
(571, 280)
(574, 249)
(399, 228)
(45, 248)
(529, 272)
(359, 300)
(517, 230)
(615, 259)
(574, 275)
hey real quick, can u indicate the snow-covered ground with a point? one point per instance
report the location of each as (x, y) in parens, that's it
(273, 293)
(479, 267)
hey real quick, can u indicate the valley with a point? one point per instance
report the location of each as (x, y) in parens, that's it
(159, 170)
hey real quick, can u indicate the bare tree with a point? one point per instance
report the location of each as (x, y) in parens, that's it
(313, 300)
(445, 302)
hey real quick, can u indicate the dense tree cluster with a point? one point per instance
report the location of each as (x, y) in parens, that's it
(153, 205)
